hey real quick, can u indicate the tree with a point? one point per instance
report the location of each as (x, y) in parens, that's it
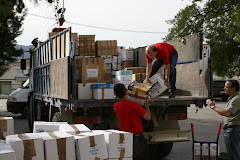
(219, 21)
(12, 15)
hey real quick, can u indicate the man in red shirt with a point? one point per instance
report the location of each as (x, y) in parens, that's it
(162, 54)
(129, 114)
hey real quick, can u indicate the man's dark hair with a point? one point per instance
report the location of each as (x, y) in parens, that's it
(154, 48)
(234, 84)
(120, 90)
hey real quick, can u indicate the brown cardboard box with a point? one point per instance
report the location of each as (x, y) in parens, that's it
(90, 70)
(127, 64)
(87, 45)
(139, 77)
(137, 69)
(106, 47)
(108, 78)
(205, 157)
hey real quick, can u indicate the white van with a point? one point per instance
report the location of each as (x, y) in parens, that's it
(18, 100)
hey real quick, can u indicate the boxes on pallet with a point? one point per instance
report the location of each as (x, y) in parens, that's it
(136, 69)
(89, 70)
(86, 45)
(6, 152)
(74, 128)
(6, 127)
(124, 77)
(205, 147)
(106, 47)
(40, 126)
(90, 146)
(157, 83)
(107, 58)
(127, 56)
(119, 143)
(102, 91)
(58, 145)
(138, 92)
(26, 146)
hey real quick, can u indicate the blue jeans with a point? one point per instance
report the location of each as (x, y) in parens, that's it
(232, 141)
(157, 63)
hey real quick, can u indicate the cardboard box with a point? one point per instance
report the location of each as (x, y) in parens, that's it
(127, 56)
(120, 50)
(205, 147)
(27, 146)
(119, 143)
(40, 126)
(103, 91)
(127, 64)
(90, 146)
(58, 145)
(158, 86)
(90, 70)
(136, 69)
(6, 152)
(124, 77)
(108, 78)
(139, 77)
(6, 127)
(138, 92)
(87, 45)
(106, 47)
(84, 90)
(74, 129)
(107, 67)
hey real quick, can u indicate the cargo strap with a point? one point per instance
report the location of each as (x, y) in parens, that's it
(75, 128)
(3, 127)
(92, 141)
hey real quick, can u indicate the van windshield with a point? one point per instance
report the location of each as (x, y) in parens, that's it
(25, 85)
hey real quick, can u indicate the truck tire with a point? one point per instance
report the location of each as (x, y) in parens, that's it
(56, 117)
(160, 150)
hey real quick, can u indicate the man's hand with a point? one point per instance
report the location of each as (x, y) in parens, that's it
(210, 103)
(166, 84)
(146, 80)
(146, 100)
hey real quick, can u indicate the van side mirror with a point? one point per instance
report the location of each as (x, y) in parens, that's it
(23, 64)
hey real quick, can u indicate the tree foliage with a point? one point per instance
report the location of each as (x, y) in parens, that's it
(12, 15)
(219, 21)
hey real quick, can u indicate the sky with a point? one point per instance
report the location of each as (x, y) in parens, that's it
(146, 19)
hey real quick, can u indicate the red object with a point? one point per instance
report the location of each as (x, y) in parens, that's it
(129, 115)
(219, 128)
(58, 29)
(192, 128)
(175, 116)
(164, 50)
(87, 120)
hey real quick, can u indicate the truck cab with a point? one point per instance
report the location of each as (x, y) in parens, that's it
(18, 100)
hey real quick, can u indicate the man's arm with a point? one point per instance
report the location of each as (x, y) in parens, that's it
(147, 115)
(220, 111)
(167, 67)
(148, 71)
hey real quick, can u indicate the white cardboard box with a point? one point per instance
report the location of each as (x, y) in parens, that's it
(41, 126)
(28, 144)
(74, 128)
(84, 91)
(58, 145)
(158, 86)
(127, 56)
(6, 152)
(124, 77)
(103, 91)
(119, 143)
(90, 146)
(6, 127)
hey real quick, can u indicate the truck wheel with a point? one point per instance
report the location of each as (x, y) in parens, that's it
(56, 117)
(160, 150)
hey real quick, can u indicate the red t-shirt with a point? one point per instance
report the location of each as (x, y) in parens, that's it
(129, 115)
(164, 50)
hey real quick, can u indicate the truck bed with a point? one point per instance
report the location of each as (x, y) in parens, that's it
(158, 101)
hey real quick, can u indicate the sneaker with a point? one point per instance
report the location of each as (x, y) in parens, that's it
(172, 95)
